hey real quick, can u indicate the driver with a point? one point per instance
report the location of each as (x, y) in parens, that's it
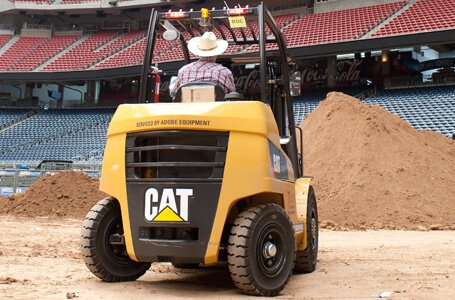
(207, 47)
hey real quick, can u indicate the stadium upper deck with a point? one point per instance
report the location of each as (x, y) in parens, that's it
(107, 48)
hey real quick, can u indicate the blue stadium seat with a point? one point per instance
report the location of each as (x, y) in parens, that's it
(309, 100)
(8, 115)
(63, 134)
(426, 108)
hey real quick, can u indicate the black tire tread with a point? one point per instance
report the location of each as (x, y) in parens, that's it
(304, 261)
(88, 239)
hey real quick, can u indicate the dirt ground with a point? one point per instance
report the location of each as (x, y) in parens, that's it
(39, 259)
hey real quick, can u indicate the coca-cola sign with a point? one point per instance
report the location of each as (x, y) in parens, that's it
(310, 73)
(346, 70)
(249, 81)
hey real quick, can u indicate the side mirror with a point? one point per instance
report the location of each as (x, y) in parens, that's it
(294, 84)
(170, 35)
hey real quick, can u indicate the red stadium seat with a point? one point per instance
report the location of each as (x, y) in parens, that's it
(424, 15)
(95, 48)
(337, 26)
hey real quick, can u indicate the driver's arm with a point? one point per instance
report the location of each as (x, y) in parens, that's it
(229, 82)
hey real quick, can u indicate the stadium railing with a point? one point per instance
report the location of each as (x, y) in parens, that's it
(15, 178)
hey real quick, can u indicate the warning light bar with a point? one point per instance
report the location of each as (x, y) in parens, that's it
(176, 15)
(238, 11)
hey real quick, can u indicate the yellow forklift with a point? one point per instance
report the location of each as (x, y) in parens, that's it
(207, 182)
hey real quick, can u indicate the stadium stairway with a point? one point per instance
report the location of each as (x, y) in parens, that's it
(422, 16)
(131, 55)
(62, 53)
(117, 44)
(85, 54)
(386, 21)
(8, 44)
(17, 117)
(4, 42)
(337, 26)
(115, 50)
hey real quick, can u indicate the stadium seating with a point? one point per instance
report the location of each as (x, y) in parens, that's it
(27, 53)
(122, 42)
(172, 51)
(4, 38)
(34, 1)
(45, 51)
(113, 48)
(8, 115)
(133, 55)
(74, 147)
(309, 100)
(23, 47)
(422, 16)
(84, 54)
(337, 26)
(56, 134)
(79, 1)
(427, 108)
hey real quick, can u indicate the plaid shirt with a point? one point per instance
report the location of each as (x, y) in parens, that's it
(205, 71)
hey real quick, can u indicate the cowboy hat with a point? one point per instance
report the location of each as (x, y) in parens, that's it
(207, 45)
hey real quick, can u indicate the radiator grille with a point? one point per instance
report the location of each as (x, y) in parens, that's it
(177, 155)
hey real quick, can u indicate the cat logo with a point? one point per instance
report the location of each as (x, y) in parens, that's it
(166, 208)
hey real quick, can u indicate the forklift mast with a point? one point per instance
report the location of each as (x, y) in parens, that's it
(274, 78)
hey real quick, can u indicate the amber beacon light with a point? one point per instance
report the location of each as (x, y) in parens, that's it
(205, 17)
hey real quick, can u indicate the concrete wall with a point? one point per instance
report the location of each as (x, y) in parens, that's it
(15, 93)
(69, 96)
(44, 33)
(335, 5)
(68, 33)
(6, 19)
(5, 5)
(104, 4)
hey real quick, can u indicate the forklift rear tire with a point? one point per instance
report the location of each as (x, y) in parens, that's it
(306, 259)
(261, 250)
(105, 259)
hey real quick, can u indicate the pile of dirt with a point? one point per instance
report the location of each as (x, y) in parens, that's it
(373, 170)
(67, 194)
